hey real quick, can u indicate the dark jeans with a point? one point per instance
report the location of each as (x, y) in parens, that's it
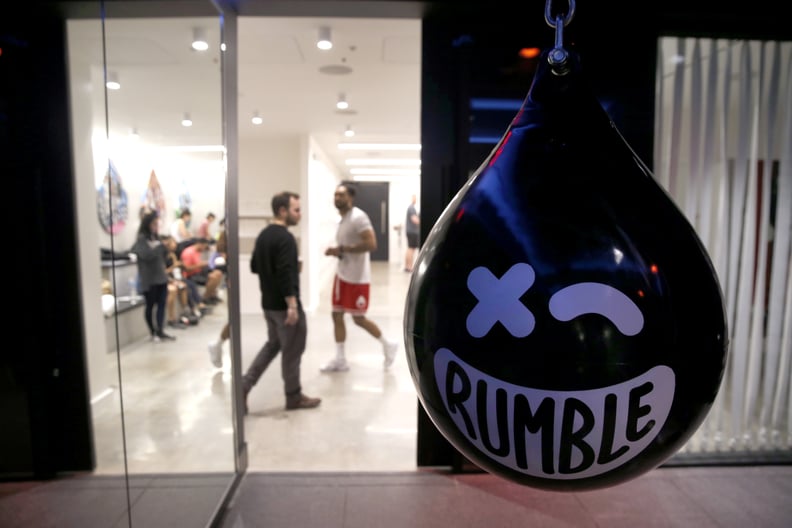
(193, 293)
(290, 340)
(156, 296)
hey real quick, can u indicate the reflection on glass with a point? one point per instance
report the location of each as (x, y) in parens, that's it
(173, 411)
(132, 155)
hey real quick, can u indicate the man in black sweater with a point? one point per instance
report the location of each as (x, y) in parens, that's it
(275, 261)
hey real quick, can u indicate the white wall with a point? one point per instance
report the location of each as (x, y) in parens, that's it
(402, 189)
(198, 175)
(321, 224)
(85, 84)
(267, 167)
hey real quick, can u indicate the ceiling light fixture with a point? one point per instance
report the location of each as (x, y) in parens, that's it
(325, 42)
(382, 162)
(199, 40)
(112, 81)
(186, 121)
(194, 148)
(256, 119)
(377, 178)
(133, 133)
(342, 103)
(379, 146)
(349, 132)
(379, 170)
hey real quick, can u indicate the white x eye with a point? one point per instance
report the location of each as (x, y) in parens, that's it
(499, 301)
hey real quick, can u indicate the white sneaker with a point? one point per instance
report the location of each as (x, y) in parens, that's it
(216, 354)
(390, 353)
(336, 365)
(155, 339)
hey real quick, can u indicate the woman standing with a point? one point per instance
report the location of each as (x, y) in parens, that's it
(151, 260)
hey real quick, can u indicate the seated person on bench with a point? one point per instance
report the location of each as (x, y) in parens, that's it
(177, 288)
(196, 270)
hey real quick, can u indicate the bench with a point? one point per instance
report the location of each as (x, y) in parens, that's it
(130, 325)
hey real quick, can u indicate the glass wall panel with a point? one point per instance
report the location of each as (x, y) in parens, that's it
(147, 123)
(165, 151)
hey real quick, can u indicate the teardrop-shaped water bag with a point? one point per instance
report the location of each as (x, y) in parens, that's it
(564, 325)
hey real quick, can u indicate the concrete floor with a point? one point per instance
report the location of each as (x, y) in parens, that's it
(694, 497)
(722, 497)
(177, 406)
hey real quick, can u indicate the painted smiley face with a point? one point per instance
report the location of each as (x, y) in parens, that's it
(551, 434)
(567, 379)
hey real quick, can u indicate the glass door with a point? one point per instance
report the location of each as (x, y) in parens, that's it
(150, 150)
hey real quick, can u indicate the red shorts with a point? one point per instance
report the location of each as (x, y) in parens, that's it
(350, 298)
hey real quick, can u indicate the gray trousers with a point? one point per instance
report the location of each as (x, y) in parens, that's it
(280, 338)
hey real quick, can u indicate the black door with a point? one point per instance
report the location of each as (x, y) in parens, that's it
(372, 197)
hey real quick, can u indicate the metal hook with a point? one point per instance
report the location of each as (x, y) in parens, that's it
(552, 21)
(558, 57)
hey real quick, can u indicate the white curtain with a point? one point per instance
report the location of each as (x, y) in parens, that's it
(724, 152)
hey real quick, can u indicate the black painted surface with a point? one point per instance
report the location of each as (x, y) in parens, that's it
(43, 375)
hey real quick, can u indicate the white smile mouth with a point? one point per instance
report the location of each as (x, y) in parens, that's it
(559, 435)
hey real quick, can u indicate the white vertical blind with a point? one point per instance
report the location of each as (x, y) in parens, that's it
(724, 153)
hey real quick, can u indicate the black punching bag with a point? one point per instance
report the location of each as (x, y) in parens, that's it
(564, 325)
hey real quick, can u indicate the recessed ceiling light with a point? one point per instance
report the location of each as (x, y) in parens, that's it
(349, 132)
(378, 178)
(194, 148)
(392, 162)
(380, 170)
(112, 81)
(379, 146)
(256, 119)
(186, 121)
(199, 40)
(325, 42)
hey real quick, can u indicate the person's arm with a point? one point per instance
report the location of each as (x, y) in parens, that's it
(285, 271)
(175, 263)
(253, 259)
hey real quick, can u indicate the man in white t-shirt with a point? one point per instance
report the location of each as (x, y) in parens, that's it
(356, 239)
